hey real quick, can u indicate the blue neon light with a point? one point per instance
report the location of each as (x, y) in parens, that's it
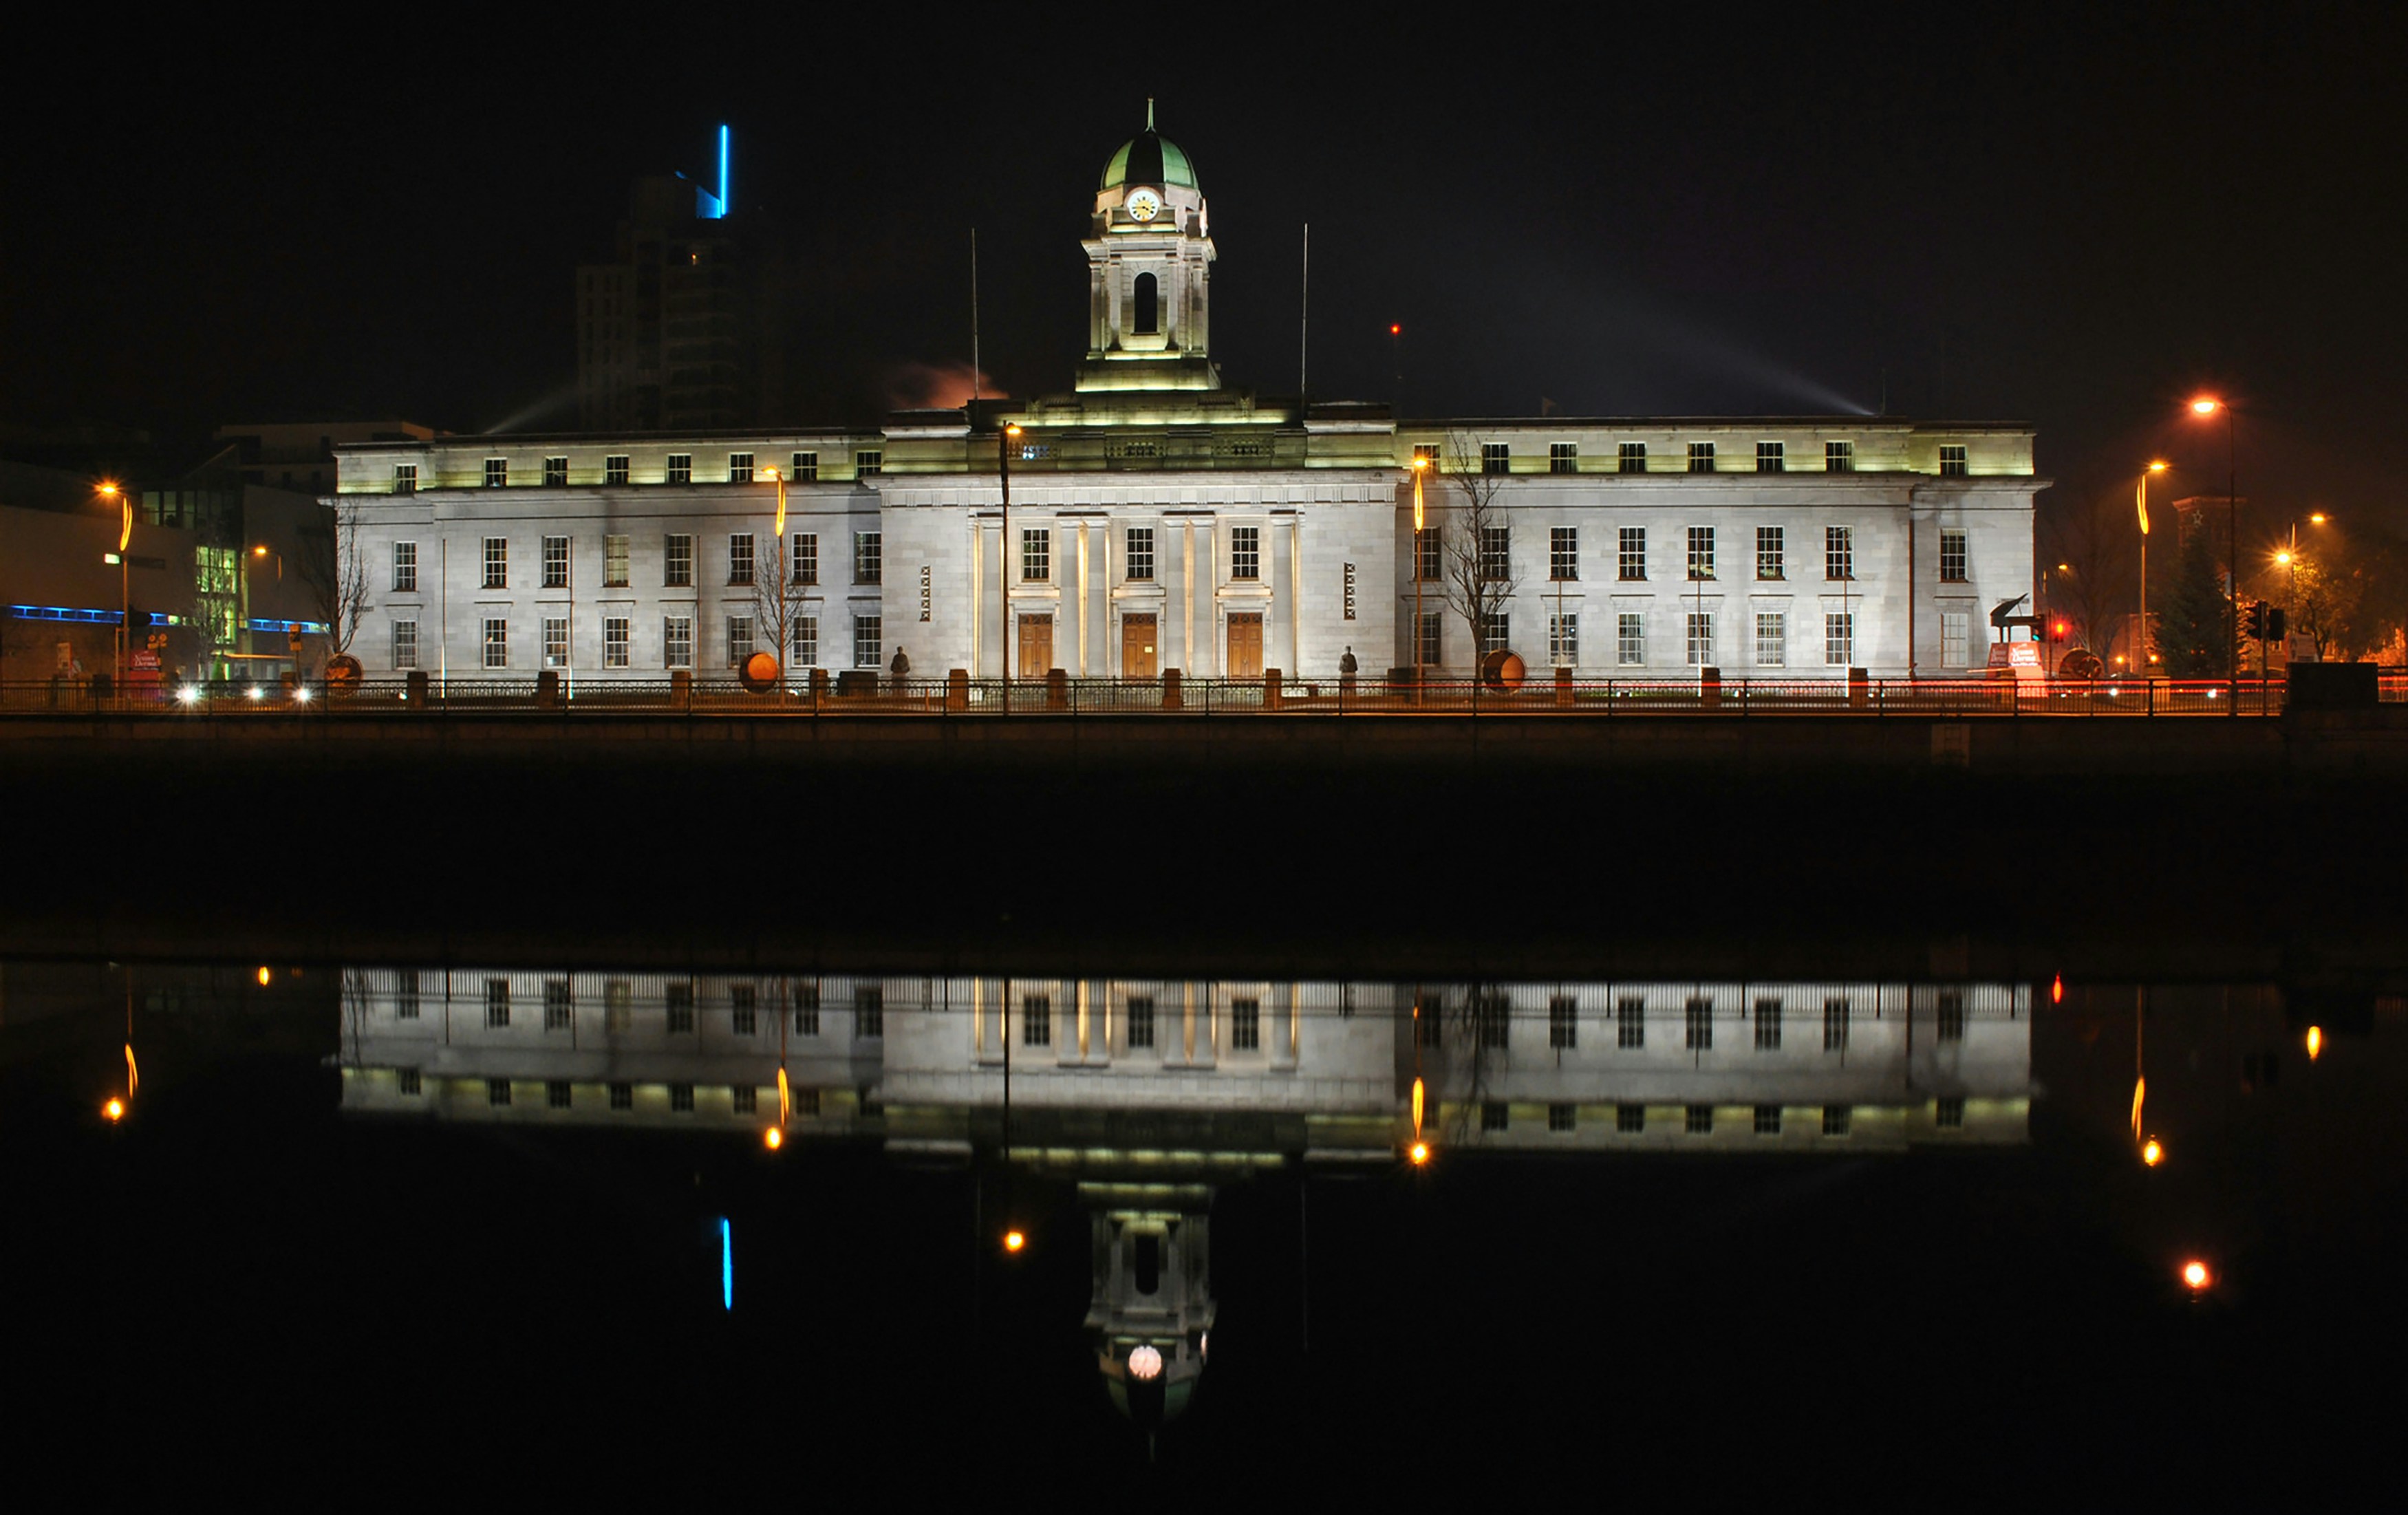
(726, 1266)
(97, 618)
(319, 626)
(723, 169)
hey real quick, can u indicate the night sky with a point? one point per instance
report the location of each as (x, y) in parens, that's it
(2076, 218)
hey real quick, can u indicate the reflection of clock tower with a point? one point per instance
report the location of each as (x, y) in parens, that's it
(1149, 273)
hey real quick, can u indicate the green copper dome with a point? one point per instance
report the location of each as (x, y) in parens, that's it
(1147, 158)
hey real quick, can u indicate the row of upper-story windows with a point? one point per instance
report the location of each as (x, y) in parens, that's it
(1491, 556)
(802, 564)
(677, 647)
(1772, 457)
(802, 467)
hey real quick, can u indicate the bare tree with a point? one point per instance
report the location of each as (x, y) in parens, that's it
(333, 564)
(2092, 549)
(1476, 568)
(777, 602)
(2325, 599)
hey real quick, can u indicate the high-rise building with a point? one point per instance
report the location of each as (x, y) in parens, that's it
(682, 331)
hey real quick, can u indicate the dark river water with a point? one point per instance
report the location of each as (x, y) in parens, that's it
(402, 1232)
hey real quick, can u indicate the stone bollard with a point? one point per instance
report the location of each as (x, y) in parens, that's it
(680, 688)
(547, 690)
(1170, 695)
(1859, 688)
(1270, 688)
(413, 689)
(957, 689)
(1709, 688)
(1563, 689)
(1057, 690)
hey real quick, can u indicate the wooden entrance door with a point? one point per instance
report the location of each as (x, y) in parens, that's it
(1036, 646)
(1138, 656)
(1245, 645)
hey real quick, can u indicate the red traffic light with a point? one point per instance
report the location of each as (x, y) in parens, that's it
(2058, 630)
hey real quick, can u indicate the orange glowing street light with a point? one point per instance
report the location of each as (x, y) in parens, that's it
(2203, 407)
(2152, 1152)
(1014, 1240)
(2196, 1276)
(113, 1111)
(1419, 1153)
(2316, 1042)
(773, 1139)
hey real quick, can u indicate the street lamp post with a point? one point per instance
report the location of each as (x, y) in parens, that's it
(2288, 559)
(1003, 559)
(109, 489)
(780, 585)
(2143, 651)
(2208, 406)
(1421, 467)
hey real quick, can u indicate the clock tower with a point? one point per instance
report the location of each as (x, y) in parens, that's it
(1149, 273)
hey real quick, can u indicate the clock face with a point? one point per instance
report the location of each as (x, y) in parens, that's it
(1144, 205)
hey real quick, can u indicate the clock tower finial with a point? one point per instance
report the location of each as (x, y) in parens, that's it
(1148, 112)
(1149, 272)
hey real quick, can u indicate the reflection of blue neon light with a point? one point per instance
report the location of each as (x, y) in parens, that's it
(726, 1266)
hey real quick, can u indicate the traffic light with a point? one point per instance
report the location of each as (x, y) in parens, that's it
(2256, 622)
(2060, 628)
(2277, 625)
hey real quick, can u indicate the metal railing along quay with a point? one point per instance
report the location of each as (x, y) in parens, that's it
(857, 693)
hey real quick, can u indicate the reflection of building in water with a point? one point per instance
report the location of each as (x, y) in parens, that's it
(1148, 1095)
(1227, 1074)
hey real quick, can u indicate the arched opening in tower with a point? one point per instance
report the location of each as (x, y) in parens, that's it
(1148, 306)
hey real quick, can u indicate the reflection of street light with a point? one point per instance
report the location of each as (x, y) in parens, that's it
(1014, 1240)
(2151, 1154)
(2195, 1276)
(2147, 658)
(2203, 407)
(2316, 1042)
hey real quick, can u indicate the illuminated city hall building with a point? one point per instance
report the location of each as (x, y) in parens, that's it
(1160, 520)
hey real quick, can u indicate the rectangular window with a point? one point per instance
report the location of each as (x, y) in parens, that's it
(1140, 554)
(1772, 638)
(869, 1010)
(614, 641)
(1140, 1022)
(1956, 638)
(1245, 553)
(868, 557)
(1702, 639)
(623, 1097)
(1630, 1120)
(1630, 1025)
(740, 467)
(806, 469)
(1496, 553)
(1632, 458)
(740, 558)
(1245, 1024)
(1771, 552)
(404, 644)
(1563, 1118)
(1426, 555)
(677, 560)
(868, 637)
(1631, 640)
(676, 641)
(614, 468)
(405, 567)
(1767, 1025)
(807, 557)
(1837, 1118)
(1840, 639)
(497, 1003)
(1948, 1114)
(1768, 1120)
(1563, 553)
(1496, 632)
(405, 478)
(1840, 457)
(1496, 1115)
(1952, 557)
(681, 1098)
(497, 1091)
(680, 999)
(497, 642)
(558, 1004)
(1697, 1119)
(1839, 552)
(555, 563)
(1495, 458)
(1835, 1025)
(807, 1009)
(1699, 1025)
(1563, 639)
(743, 1098)
(1950, 1013)
(807, 642)
(405, 1005)
(1563, 1023)
(740, 641)
(1952, 459)
(1630, 559)
(497, 472)
(1702, 553)
(1770, 457)
(555, 473)
(1036, 555)
(1701, 457)
(1563, 457)
(1430, 631)
(1426, 453)
(407, 1081)
(497, 562)
(869, 462)
(1492, 1015)
(614, 561)
(555, 641)
(743, 1008)
(681, 468)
